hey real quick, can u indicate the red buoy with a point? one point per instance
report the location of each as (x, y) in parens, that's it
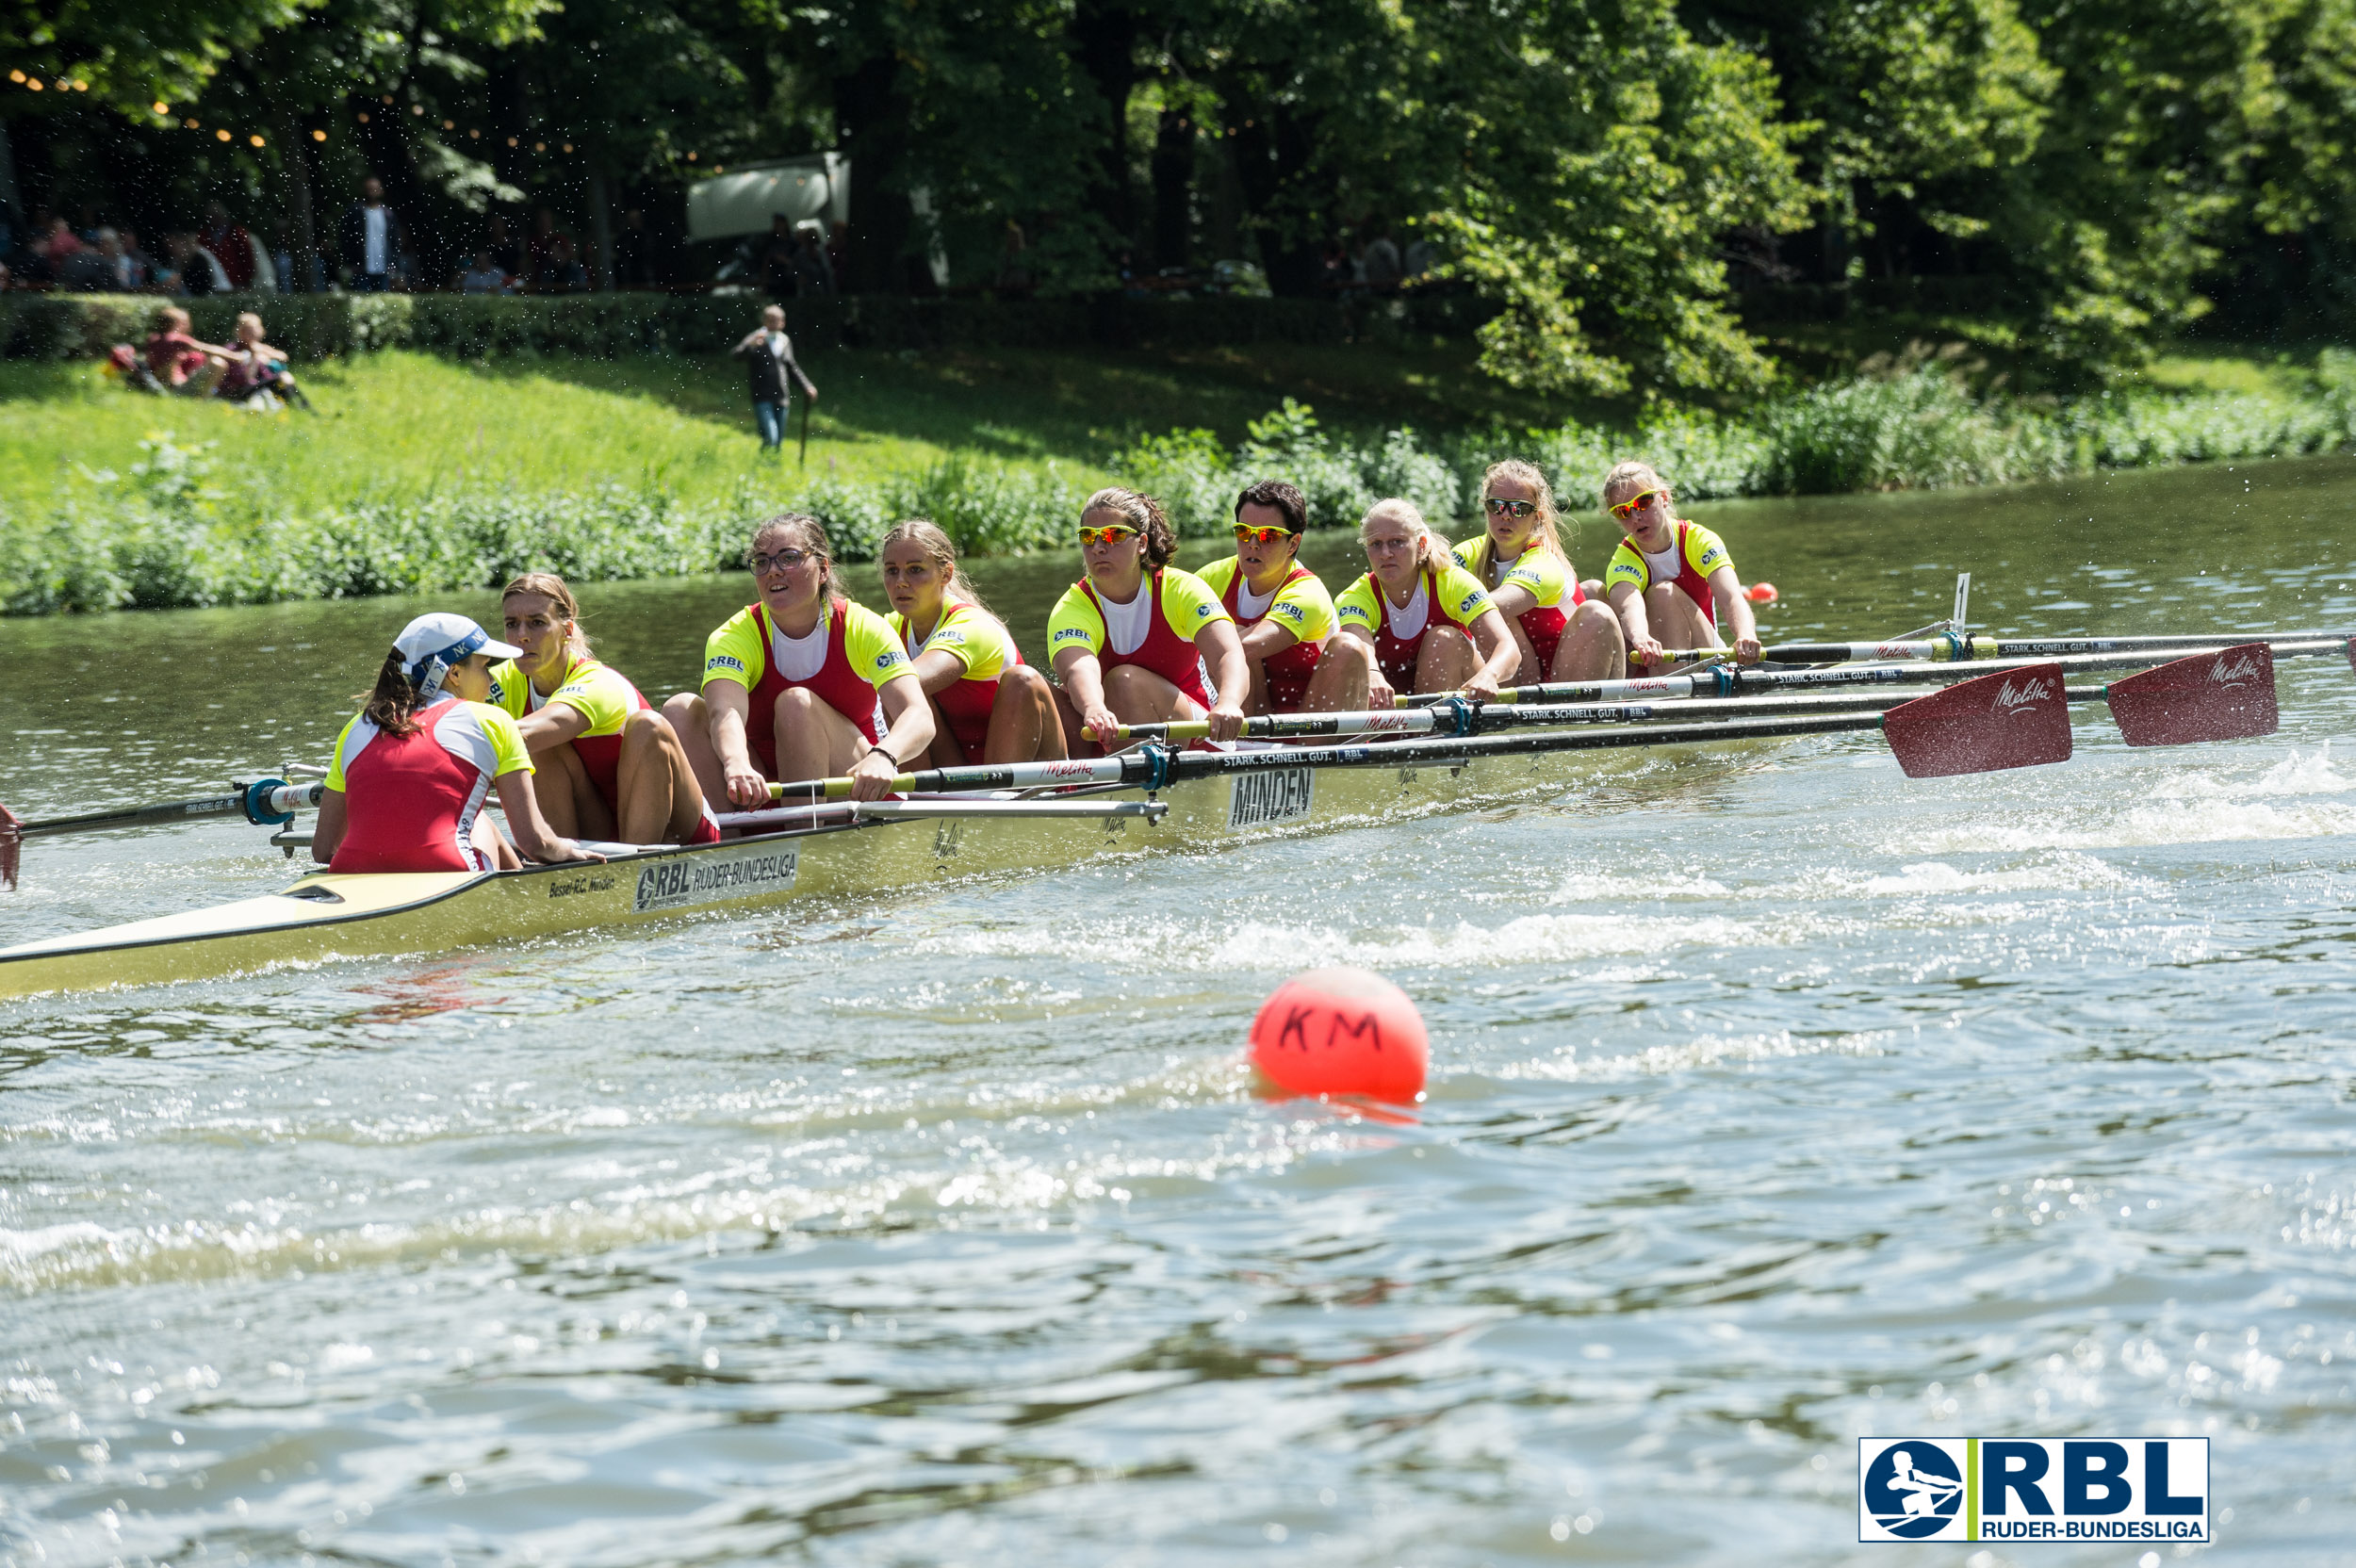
(1342, 1031)
(1761, 593)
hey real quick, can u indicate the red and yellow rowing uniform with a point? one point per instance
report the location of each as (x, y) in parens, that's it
(1688, 563)
(599, 694)
(1155, 630)
(846, 658)
(1547, 576)
(1300, 605)
(1399, 632)
(983, 645)
(412, 799)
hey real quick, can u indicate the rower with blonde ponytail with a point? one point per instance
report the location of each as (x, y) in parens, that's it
(1560, 633)
(989, 706)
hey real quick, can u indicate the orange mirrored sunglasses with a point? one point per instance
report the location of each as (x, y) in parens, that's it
(1261, 535)
(1636, 503)
(1106, 535)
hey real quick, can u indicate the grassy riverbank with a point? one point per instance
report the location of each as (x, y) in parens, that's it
(421, 473)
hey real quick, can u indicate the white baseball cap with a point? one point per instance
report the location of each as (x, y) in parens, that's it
(433, 644)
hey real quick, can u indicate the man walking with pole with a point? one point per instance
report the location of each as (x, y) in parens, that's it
(769, 359)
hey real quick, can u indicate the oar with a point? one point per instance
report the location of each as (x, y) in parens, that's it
(1949, 647)
(2006, 719)
(265, 803)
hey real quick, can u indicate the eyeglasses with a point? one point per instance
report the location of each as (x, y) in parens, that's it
(784, 561)
(1261, 535)
(1636, 503)
(1500, 507)
(1112, 535)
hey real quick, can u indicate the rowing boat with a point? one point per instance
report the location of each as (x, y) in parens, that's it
(1027, 817)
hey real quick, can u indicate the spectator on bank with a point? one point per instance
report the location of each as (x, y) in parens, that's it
(561, 271)
(482, 275)
(196, 271)
(373, 239)
(812, 273)
(1014, 266)
(769, 360)
(540, 252)
(780, 258)
(173, 361)
(100, 270)
(1383, 268)
(630, 252)
(1422, 256)
(505, 253)
(232, 246)
(839, 254)
(256, 373)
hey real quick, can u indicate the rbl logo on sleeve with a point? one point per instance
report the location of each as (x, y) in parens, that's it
(2033, 1488)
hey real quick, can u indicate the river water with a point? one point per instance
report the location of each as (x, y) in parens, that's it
(1777, 1100)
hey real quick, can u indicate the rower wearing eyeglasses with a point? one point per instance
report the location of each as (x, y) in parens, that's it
(1671, 581)
(1561, 632)
(801, 683)
(1283, 613)
(1136, 641)
(1416, 622)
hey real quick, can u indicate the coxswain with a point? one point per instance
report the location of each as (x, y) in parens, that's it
(406, 787)
(1136, 641)
(801, 683)
(1560, 633)
(1416, 622)
(1283, 616)
(607, 765)
(989, 706)
(1671, 581)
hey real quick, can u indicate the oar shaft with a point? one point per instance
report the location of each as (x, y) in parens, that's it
(1952, 649)
(279, 798)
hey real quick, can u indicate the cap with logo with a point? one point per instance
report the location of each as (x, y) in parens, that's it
(434, 644)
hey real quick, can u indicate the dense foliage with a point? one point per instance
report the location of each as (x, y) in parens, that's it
(1612, 173)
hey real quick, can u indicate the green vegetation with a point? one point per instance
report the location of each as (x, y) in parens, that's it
(421, 473)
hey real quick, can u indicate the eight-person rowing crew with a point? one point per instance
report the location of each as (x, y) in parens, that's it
(805, 682)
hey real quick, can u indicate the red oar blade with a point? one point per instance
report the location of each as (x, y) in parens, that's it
(2012, 719)
(11, 845)
(2212, 696)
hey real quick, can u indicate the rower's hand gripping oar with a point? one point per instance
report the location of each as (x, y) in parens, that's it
(265, 803)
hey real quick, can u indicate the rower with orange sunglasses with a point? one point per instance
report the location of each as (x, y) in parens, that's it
(1136, 641)
(1671, 581)
(1283, 613)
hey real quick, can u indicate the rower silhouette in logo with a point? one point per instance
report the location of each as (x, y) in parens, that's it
(1914, 1490)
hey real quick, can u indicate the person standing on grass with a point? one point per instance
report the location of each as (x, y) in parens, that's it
(372, 239)
(768, 355)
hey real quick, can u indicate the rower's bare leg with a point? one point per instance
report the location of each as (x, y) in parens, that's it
(813, 739)
(661, 802)
(1023, 723)
(1677, 622)
(1592, 647)
(1138, 695)
(1255, 701)
(1338, 684)
(490, 844)
(569, 800)
(1068, 720)
(946, 750)
(1446, 660)
(692, 722)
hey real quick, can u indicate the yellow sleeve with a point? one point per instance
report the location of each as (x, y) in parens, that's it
(1356, 605)
(1706, 550)
(1627, 565)
(1220, 573)
(1075, 623)
(336, 758)
(734, 652)
(1467, 551)
(507, 742)
(1462, 598)
(508, 688)
(873, 648)
(1541, 572)
(1304, 609)
(1188, 605)
(597, 694)
(973, 635)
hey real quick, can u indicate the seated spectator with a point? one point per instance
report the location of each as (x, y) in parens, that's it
(257, 374)
(198, 272)
(506, 254)
(230, 246)
(172, 360)
(482, 276)
(812, 273)
(561, 273)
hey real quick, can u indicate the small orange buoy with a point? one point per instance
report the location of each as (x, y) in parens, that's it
(1342, 1031)
(1761, 593)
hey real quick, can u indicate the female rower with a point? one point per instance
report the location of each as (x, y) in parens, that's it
(1560, 633)
(1416, 622)
(1283, 613)
(406, 787)
(801, 683)
(606, 764)
(1671, 581)
(988, 705)
(1137, 641)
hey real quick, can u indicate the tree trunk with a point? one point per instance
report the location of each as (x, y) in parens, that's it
(1106, 32)
(1272, 156)
(872, 124)
(301, 229)
(600, 230)
(1173, 175)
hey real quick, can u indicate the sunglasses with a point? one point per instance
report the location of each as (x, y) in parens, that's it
(1500, 507)
(1636, 503)
(1261, 535)
(784, 561)
(1112, 535)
